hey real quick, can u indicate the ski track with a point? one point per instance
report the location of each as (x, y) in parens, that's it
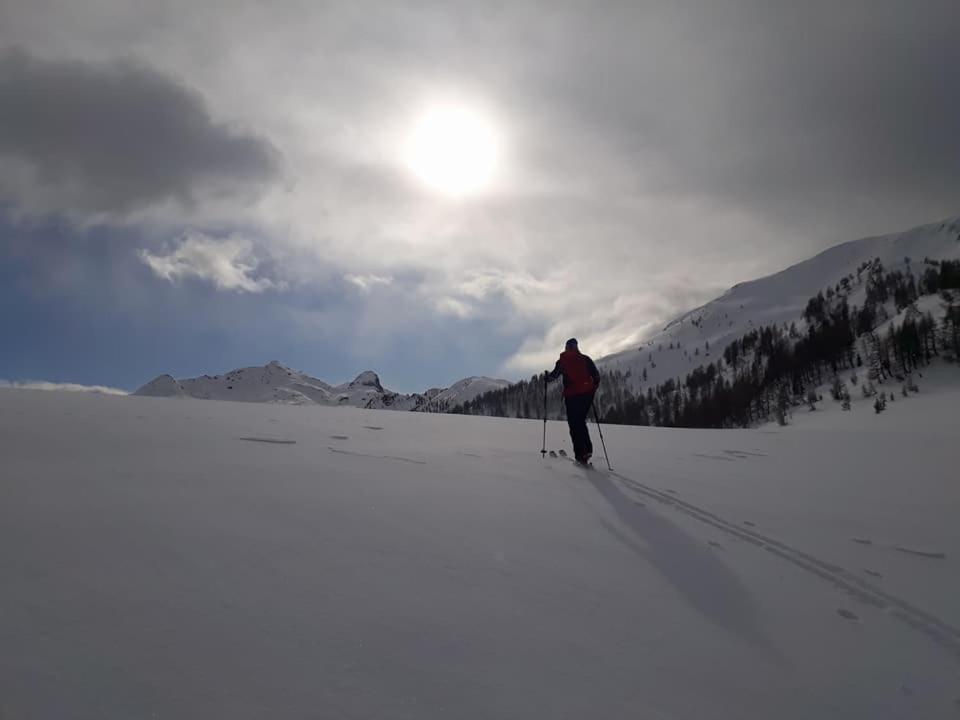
(942, 633)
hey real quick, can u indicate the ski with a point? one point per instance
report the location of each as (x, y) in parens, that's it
(563, 454)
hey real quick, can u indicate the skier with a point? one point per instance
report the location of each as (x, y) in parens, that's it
(580, 381)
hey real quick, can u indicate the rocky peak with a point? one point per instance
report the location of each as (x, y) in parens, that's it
(368, 378)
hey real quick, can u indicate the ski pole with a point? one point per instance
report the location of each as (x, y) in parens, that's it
(543, 452)
(600, 430)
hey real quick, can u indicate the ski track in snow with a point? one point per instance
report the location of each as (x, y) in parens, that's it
(922, 621)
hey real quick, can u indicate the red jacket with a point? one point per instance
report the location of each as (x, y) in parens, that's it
(580, 375)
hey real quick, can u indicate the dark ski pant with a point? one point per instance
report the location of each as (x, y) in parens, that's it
(578, 406)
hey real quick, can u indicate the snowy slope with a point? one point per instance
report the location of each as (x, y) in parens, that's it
(778, 298)
(276, 383)
(162, 386)
(205, 559)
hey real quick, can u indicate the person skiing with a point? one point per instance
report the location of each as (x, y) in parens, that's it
(580, 382)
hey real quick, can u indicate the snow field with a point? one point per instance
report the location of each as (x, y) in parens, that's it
(188, 558)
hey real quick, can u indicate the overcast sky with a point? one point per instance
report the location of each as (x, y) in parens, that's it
(188, 187)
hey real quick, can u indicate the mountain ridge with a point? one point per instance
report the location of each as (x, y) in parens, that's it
(277, 383)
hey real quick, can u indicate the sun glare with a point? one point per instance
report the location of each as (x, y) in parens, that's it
(453, 150)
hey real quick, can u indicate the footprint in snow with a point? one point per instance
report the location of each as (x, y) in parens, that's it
(743, 454)
(847, 614)
(873, 573)
(272, 441)
(372, 427)
(714, 543)
(749, 524)
(378, 457)
(862, 541)
(339, 437)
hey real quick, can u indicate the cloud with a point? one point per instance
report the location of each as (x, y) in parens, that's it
(228, 263)
(69, 387)
(455, 307)
(113, 138)
(655, 153)
(367, 282)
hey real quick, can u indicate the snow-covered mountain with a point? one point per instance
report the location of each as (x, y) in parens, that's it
(700, 335)
(277, 383)
(440, 400)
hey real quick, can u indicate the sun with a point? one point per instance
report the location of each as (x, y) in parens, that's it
(453, 150)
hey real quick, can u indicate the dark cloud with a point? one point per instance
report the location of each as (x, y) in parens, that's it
(115, 138)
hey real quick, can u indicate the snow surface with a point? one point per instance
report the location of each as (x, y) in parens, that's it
(775, 299)
(277, 383)
(226, 560)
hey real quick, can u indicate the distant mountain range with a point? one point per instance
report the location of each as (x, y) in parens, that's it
(277, 383)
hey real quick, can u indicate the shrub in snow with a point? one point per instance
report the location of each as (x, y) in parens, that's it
(845, 403)
(880, 404)
(869, 390)
(782, 405)
(837, 388)
(812, 399)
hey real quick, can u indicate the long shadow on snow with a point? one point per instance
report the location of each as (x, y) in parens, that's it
(707, 584)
